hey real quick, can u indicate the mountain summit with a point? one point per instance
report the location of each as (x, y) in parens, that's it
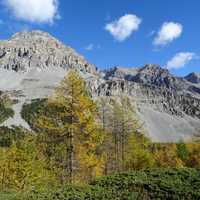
(40, 50)
(33, 63)
(193, 77)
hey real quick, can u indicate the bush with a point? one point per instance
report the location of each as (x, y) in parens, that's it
(171, 184)
(155, 184)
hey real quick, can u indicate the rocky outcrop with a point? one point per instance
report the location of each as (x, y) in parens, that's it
(169, 106)
(160, 98)
(39, 49)
(153, 75)
(193, 78)
(33, 63)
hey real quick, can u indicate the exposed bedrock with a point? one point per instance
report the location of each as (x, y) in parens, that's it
(33, 63)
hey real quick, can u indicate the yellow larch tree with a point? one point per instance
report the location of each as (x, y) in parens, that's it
(70, 125)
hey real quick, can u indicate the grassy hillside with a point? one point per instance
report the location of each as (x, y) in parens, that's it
(172, 184)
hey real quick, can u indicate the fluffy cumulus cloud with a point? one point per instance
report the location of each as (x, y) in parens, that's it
(180, 60)
(168, 32)
(37, 11)
(122, 28)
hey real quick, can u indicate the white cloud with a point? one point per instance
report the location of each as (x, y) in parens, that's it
(180, 60)
(168, 32)
(89, 47)
(38, 11)
(122, 28)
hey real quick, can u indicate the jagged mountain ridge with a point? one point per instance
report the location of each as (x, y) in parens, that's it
(152, 74)
(193, 78)
(33, 63)
(168, 105)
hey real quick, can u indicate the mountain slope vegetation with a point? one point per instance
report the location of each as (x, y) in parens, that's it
(151, 184)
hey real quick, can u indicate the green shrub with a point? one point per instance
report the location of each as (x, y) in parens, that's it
(162, 184)
(156, 184)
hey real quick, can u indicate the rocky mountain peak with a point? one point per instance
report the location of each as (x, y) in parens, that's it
(154, 69)
(193, 77)
(149, 74)
(30, 35)
(152, 74)
(151, 67)
(37, 49)
(119, 73)
(33, 63)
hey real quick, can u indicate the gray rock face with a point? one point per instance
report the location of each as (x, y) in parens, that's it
(33, 63)
(118, 73)
(193, 78)
(38, 49)
(31, 66)
(169, 106)
(153, 75)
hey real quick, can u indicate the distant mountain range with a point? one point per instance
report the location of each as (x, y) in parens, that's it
(33, 63)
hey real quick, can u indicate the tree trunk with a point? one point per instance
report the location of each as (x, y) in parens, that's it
(71, 140)
(71, 157)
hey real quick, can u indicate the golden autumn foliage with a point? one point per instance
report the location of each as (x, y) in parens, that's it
(138, 155)
(125, 146)
(23, 168)
(71, 123)
(77, 140)
(194, 155)
(166, 156)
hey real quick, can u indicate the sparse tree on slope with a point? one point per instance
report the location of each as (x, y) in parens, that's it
(121, 123)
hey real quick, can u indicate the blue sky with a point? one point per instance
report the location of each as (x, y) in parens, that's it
(128, 33)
